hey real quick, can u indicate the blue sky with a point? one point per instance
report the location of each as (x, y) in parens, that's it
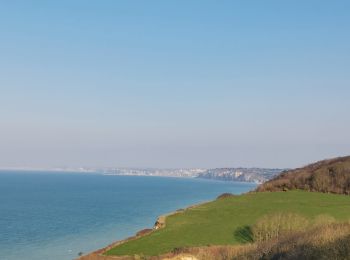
(174, 83)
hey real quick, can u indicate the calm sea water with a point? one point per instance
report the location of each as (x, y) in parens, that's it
(54, 216)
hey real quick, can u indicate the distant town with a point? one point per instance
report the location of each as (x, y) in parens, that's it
(256, 175)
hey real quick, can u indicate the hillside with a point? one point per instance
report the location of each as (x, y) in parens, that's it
(226, 221)
(331, 176)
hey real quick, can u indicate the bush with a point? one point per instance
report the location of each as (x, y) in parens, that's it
(225, 195)
(144, 232)
(322, 242)
(274, 225)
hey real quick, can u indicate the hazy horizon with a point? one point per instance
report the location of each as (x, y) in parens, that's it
(179, 84)
(90, 167)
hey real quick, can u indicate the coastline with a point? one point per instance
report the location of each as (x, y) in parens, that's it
(160, 223)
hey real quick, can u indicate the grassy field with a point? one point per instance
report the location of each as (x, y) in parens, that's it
(220, 222)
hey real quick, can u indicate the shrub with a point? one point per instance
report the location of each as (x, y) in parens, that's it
(179, 250)
(144, 232)
(274, 225)
(322, 242)
(225, 195)
(331, 176)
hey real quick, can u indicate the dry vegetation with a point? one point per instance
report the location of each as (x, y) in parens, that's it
(331, 176)
(272, 226)
(277, 239)
(331, 241)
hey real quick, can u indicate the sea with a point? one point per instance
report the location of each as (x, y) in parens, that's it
(57, 215)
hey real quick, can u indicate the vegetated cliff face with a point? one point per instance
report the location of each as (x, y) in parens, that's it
(332, 175)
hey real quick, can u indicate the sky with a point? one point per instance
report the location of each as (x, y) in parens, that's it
(173, 83)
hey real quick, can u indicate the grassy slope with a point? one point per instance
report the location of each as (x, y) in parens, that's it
(215, 222)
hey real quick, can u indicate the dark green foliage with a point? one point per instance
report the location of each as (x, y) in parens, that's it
(244, 234)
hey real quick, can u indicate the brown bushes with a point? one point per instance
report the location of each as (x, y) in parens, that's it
(331, 176)
(330, 241)
(225, 195)
(144, 232)
(273, 226)
(213, 252)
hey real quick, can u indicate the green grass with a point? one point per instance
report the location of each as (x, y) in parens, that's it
(216, 222)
